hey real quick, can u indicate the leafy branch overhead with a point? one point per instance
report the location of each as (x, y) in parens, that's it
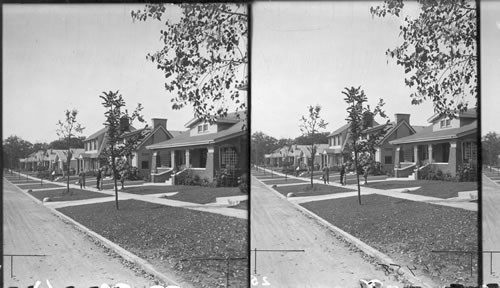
(438, 53)
(205, 57)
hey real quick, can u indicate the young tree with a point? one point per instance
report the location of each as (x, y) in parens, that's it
(204, 57)
(117, 122)
(311, 125)
(359, 117)
(66, 130)
(438, 52)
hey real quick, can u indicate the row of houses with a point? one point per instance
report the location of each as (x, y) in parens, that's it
(203, 148)
(445, 143)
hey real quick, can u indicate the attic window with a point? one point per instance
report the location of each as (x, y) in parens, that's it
(445, 123)
(202, 128)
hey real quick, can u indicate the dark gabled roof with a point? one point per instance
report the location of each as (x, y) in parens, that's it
(427, 134)
(339, 130)
(97, 134)
(185, 139)
(104, 130)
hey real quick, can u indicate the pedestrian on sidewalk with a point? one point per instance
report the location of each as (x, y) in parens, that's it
(99, 176)
(342, 174)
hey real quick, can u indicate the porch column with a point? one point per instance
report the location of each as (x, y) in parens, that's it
(188, 162)
(429, 149)
(452, 159)
(172, 158)
(396, 161)
(153, 162)
(209, 166)
(415, 154)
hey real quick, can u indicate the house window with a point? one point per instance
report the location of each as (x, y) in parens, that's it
(229, 158)
(470, 152)
(445, 123)
(202, 128)
(145, 164)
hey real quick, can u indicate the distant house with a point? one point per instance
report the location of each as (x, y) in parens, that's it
(60, 159)
(204, 149)
(95, 144)
(445, 144)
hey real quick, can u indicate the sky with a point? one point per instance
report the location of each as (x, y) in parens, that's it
(58, 57)
(307, 53)
(490, 61)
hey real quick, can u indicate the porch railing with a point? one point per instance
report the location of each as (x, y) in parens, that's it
(405, 171)
(161, 175)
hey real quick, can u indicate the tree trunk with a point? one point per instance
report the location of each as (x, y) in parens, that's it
(113, 168)
(356, 169)
(67, 170)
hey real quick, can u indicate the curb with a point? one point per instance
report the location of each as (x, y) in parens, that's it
(381, 257)
(143, 264)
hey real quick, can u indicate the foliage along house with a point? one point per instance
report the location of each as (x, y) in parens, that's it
(204, 149)
(446, 145)
(95, 144)
(338, 151)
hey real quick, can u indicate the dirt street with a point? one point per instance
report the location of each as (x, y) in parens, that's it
(491, 230)
(72, 259)
(326, 262)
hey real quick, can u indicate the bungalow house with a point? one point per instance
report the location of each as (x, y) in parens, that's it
(204, 149)
(60, 158)
(279, 157)
(337, 153)
(94, 145)
(445, 145)
(141, 157)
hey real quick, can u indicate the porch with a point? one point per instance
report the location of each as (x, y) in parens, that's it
(444, 156)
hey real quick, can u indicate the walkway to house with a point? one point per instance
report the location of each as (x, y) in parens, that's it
(462, 202)
(217, 208)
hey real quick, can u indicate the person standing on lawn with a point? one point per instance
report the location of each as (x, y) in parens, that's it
(80, 179)
(342, 174)
(327, 175)
(99, 176)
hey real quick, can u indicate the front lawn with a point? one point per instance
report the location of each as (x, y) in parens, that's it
(283, 181)
(15, 182)
(193, 194)
(165, 236)
(75, 194)
(438, 189)
(408, 231)
(38, 186)
(306, 190)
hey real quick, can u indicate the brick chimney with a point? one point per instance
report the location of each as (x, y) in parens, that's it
(124, 124)
(157, 122)
(400, 117)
